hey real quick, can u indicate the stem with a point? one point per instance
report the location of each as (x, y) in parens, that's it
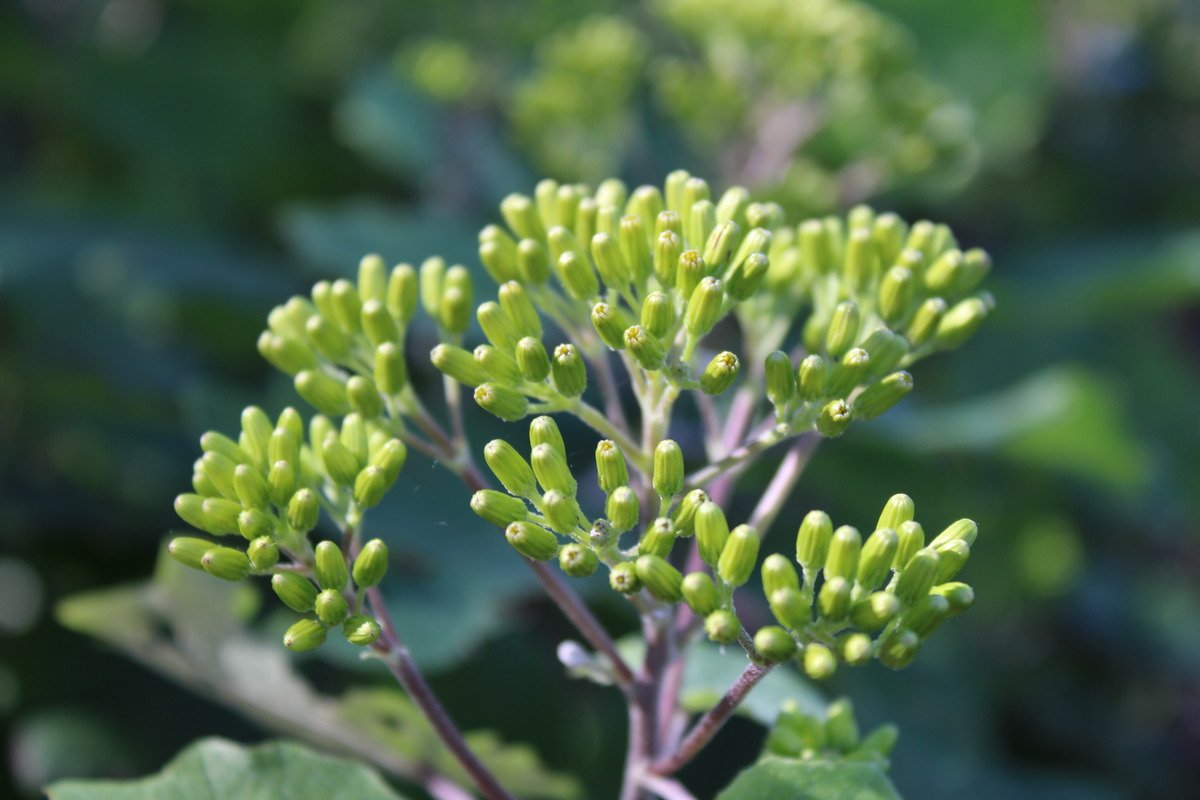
(744, 453)
(635, 754)
(708, 725)
(667, 788)
(786, 475)
(601, 424)
(609, 391)
(454, 406)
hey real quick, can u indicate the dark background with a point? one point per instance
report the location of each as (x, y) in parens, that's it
(170, 171)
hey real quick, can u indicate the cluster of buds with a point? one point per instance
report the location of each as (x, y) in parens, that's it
(836, 736)
(269, 487)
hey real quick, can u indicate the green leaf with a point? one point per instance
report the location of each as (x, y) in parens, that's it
(220, 769)
(810, 780)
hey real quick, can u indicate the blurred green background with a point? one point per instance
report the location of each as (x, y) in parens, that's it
(170, 171)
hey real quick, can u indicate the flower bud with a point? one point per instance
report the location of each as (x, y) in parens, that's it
(721, 243)
(925, 321)
(347, 306)
(712, 531)
(923, 617)
(498, 508)
(812, 540)
(668, 468)
(499, 366)
(303, 510)
(634, 244)
(567, 371)
(898, 510)
(684, 516)
(959, 595)
(371, 564)
(331, 607)
(811, 378)
(214, 442)
(577, 276)
(739, 555)
(432, 277)
(611, 470)
(379, 326)
(658, 313)
(658, 538)
(263, 553)
(872, 612)
(532, 359)
(774, 644)
(791, 608)
(501, 401)
(911, 539)
(818, 661)
(225, 563)
(532, 541)
(722, 626)
(898, 649)
(849, 372)
(458, 364)
(844, 549)
(645, 348)
(833, 601)
(951, 558)
(370, 485)
(843, 329)
(780, 379)
(841, 731)
(646, 202)
(944, 272)
(622, 509)
(562, 511)
(700, 222)
(875, 562)
(510, 468)
(361, 630)
(720, 374)
(778, 573)
(964, 529)
(667, 249)
(497, 326)
(609, 261)
(882, 395)
(689, 272)
(307, 634)
(391, 371)
(189, 550)
(700, 593)
(515, 302)
(220, 470)
(623, 578)
(401, 297)
(896, 292)
(340, 463)
(296, 591)
(704, 307)
(855, 649)
(330, 566)
(551, 469)
(746, 276)
(661, 579)
(578, 561)
(918, 576)
(759, 241)
(522, 217)
(286, 353)
(861, 263)
(610, 324)
(364, 397)
(879, 743)
(834, 419)
(390, 458)
(281, 481)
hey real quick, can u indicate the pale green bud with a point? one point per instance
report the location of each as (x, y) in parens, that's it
(720, 245)
(834, 418)
(331, 607)
(370, 485)
(923, 617)
(189, 550)
(402, 292)
(899, 509)
(431, 280)
(951, 558)
(818, 661)
(219, 471)
(700, 222)
(684, 516)
(843, 329)
(610, 263)
(668, 468)
(371, 564)
(833, 601)
(390, 457)
(516, 303)
(510, 468)
(340, 462)
(498, 508)
(505, 403)
(646, 202)
(844, 549)
(214, 442)
(976, 266)
(285, 353)
(720, 374)
(307, 634)
(732, 204)
(964, 529)
(610, 324)
(899, 648)
(704, 307)
(944, 272)
(361, 630)
(739, 555)
(658, 539)
(454, 311)
(499, 366)
(577, 276)
(296, 591)
(568, 373)
(774, 644)
(887, 351)
(522, 217)
(329, 566)
(226, 563)
(623, 578)
(896, 292)
(875, 562)
(880, 741)
(497, 326)
(926, 321)
(816, 248)
(918, 576)
(791, 608)
(674, 188)
(811, 378)
(841, 731)
(263, 553)
(611, 470)
(256, 434)
(578, 561)
(354, 437)
(379, 326)
(645, 348)
(347, 306)
(544, 430)
(303, 510)
(364, 397)
(323, 392)
(700, 593)
(960, 322)
(780, 379)
(747, 275)
(621, 509)
(532, 359)
(668, 247)
(889, 232)
(767, 216)
(658, 313)
(689, 272)
(712, 532)
(778, 573)
(250, 486)
(635, 248)
(911, 539)
(551, 469)
(855, 649)
(812, 540)
(611, 192)
(391, 371)
(959, 595)
(722, 626)
(861, 263)
(585, 219)
(562, 511)
(533, 262)
(860, 217)
(191, 508)
(661, 579)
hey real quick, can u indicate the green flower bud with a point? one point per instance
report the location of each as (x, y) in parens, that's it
(577, 276)
(668, 220)
(611, 470)
(646, 202)
(323, 392)
(499, 366)
(700, 221)
(700, 593)
(668, 247)
(811, 378)
(668, 468)
(746, 276)
(209, 514)
(285, 353)
(812, 540)
(963, 529)
(923, 617)
(401, 299)
(330, 566)
(281, 481)
(721, 244)
(354, 437)
(704, 307)
(364, 397)
(431, 283)
(610, 263)
(658, 538)
(720, 374)
(791, 608)
(780, 380)
(855, 649)
(331, 607)
(370, 485)
(219, 471)
(544, 430)
(361, 630)
(872, 612)
(578, 561)
(661, 579)
(567, 371)
(689, 272)
(759, 241)
(497, 326)
(975, 267)
(307, 634)
(390, 458)
(818, 661)
(959, 595)
(911, 539)
(849, 372)
(944, 272)
(623, 578)
(263, 553)
(510, 468)
(833, 601)
(501, 401)
(841, 731)
(296, 591)
(256, 434)
(454, 311)
(498, 508)
(816, 248)
(611, 192)
(551, 470)
(225, 563)
(684, 516)
(658, 313)
(522, 217)
(899, 648)
(712, 532)
(190, 508)
(634, 244)
(889, 232)
(882, 395)
(899, 509)
(532, 359)
(303, 510)
(622, 509)
(843, 329)
(861, 263)
(610, 324)
(674, 186)
(732, 203)
(214, 442)
(189, 551)
(844, 549)
(722, 626)
(379, 326)
(925, 321)
(533, 265)
(645, 348)
(918, 576)
(340, 463)
(774, 644)
(834, 418)
(532, 541)
(391, 371)
(951, 558)
(347, 306)
(516, 303)
(562, 511)
(371, 564)
(778, 573)
(880, 742)
(896, 292)
(739, 555)
(875, 562)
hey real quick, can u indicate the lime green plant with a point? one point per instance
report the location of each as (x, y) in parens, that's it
(610, 306)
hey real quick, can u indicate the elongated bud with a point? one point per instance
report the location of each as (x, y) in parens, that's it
(843, 329)
(689, 272)
(611, 470)
(964, 529)
(371, 564)
(704, 307)
(812, 540)
(849, 372)
(340, 462)
(501, 401)
(778, 573)
(700, 593)
(658, 313)
(896, 292)
(668, 468)
(532, 541)
(746, 276)
(721, 244)
(331, 607)
(739, 555)
(899, 509)
(609, 261)
(861, 264)
(364, 397)
(780, 379)
(370, 485)
(668, 220)
(303, 510)
(577, 276)
(402, 291)
(684, 516)
(347, 306)
(911, 538)
(510, 468)
(661, 579)
(328, 338)
(610, 324)
(774, 644)
(189, 550)
(791, 608)
(307, 634)
(834, 418)
(361, 630)
(520, 309)
(250, 486)
(390, 458)
(497, 326)
(951, 558)
(432, 276)
(811, 378)
(658, 539)
(720, 374)
(567, 371)
(635, 247)
(875, 562)
(329, 566)
(844, 549)
(855, 649)
(834, 598)
(458, 364)
(622, 509)
(532, 359)
(645, 348)
(818, 661)
(623, 578)
(296, 591)
(225, 563)
(498, 508)
(667, 249)
(220, 470)
(959, 595)
(323, 392)
(923, 617)
(646, 202)
(578, 561)
(263, 553)
(391, 371)
(522, 217)
(561, 511)
(899, 648)
(917, 577)
(551, 470)
(722, 626)
(882, 395)
(379, 326)
(499, 366)
(925, 321)
(712, 532)
(841, 731)
(191, 508)
(944, 272)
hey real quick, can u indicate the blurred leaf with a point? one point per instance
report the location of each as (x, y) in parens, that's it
(392, 718)
(220, 769)
(810, 780)
(66, 742)
(391, 124)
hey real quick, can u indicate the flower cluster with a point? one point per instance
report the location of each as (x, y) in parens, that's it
(809, 737)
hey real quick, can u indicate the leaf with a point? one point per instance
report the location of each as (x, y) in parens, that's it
(789, 779)
(389, 123)
(217, 769)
